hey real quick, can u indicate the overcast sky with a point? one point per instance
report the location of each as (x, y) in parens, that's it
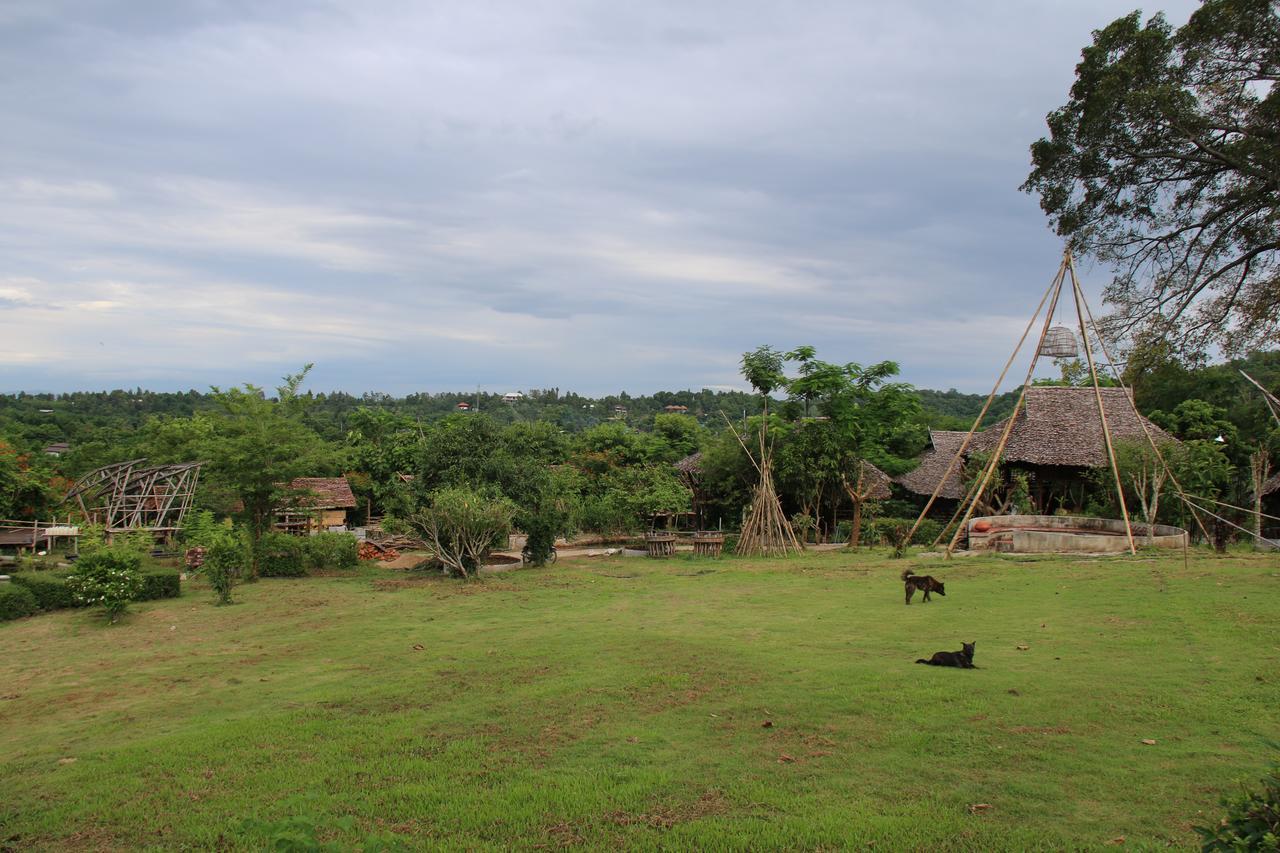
(597, 196)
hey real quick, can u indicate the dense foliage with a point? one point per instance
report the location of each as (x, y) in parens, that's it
(613, 473)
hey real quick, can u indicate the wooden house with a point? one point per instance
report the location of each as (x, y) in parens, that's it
(319, 504)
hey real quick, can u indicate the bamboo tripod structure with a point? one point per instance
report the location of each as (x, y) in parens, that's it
(767, 531)
(1085, 322)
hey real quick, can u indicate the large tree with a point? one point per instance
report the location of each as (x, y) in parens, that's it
(1165, 164)
(255, 446)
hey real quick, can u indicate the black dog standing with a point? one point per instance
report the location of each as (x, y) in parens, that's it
(926, 583)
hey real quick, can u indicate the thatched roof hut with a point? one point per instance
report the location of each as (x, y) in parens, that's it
(1056, 428)
(1059, 426)
(875, 483)
(933, 465)
(691, 465)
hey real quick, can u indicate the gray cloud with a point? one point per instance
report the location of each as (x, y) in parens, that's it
(584, 194)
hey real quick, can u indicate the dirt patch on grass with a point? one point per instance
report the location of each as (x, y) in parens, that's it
(1246, 617)
(401, 583)
(668, 815)
(563, 834)
(408, 560)
(787, 745)
(1040, 730)
(1123, 622)
(478, 587)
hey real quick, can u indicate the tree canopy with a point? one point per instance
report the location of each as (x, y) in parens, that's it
(1165, 164)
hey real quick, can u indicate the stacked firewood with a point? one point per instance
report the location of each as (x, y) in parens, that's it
(377, 551)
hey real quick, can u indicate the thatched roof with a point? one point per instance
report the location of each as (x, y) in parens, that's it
(324, 493)
(1271, 486)
(933, 464)
(875, 483)
(1056, 426)
(691, 464)
(1060, 426)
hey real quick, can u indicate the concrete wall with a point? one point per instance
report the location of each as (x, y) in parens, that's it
(1032, 534)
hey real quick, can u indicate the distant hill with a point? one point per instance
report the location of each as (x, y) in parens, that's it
(955, 410)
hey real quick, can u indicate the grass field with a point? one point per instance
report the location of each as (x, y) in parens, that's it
(624, 703)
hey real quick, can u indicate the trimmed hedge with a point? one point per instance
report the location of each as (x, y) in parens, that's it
(161, 583)
(331, 551)
(51, 591)
(281, 556)
(16, 601)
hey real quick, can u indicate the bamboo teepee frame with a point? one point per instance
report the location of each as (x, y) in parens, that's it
(1085, 322)
(767, 531)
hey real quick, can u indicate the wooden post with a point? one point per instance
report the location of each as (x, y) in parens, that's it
(1102, 412)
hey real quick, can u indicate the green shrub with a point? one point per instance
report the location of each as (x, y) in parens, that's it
(1252, 821)
(886, 531)
(225, 561)
(280, 556)
(539, 542)
(331, 551)
(804, 525)
(202, 529)
(51, 591)
(927, 532)
(93, 541)
(540, 536)
(462, 525)
(16, 601)
(110, 577)
(162, 583)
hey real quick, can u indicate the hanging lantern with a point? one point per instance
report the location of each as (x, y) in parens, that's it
(1059, 342)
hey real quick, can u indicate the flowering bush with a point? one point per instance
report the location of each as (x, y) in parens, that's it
(110, 578)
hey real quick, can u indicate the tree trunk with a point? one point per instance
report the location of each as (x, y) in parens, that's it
(855, 534)
(1259, 471)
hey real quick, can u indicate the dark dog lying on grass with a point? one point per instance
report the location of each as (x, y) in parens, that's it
(962, 659)
(926, 583)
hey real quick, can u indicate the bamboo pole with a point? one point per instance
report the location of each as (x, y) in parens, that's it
(1267, 397)
(1053, 285)
(1102, 411)
(1013, 417)
(1182, 494)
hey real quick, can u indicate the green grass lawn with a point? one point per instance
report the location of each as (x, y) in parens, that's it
(612, 703)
